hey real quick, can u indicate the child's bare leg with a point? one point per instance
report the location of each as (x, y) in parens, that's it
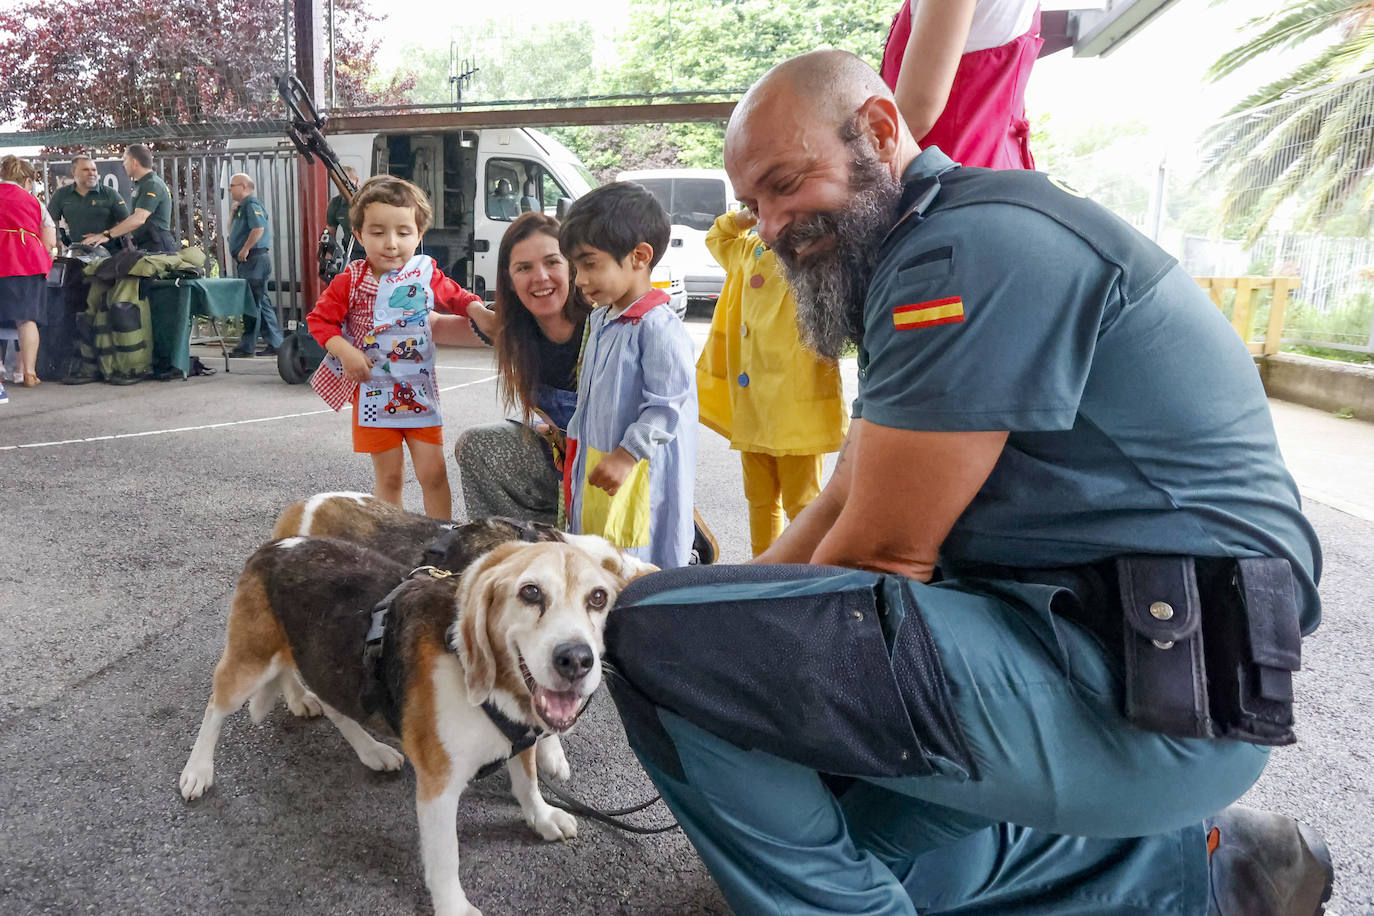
(388, 468)
(431, 469)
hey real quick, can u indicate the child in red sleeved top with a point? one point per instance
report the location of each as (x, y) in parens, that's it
(379, 320)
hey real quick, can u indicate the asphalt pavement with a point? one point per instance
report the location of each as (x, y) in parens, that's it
(125, 517)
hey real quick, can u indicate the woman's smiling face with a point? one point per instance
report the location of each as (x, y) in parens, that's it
(539, 275)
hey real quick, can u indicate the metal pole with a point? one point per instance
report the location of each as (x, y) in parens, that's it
(1157, 201)
(333, 70)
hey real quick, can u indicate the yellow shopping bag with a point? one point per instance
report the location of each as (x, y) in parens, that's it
(622, 519)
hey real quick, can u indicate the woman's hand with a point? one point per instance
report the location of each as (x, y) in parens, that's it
(484, 317)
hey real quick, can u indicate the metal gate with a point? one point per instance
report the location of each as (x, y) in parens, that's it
(199, 182)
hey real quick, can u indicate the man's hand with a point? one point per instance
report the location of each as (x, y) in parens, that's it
(356, 364)
(95, 238)
(611, 471)
(243, 255)
(484, 317)
(745, 219)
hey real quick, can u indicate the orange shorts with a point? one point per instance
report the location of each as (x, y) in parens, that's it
(373, 440)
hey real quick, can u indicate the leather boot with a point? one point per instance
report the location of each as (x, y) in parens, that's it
(1265, 864)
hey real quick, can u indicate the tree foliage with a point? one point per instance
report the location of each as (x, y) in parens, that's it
(1303, 138)
(502, 51)
(165, 62)
(727, 44)
(680, 46)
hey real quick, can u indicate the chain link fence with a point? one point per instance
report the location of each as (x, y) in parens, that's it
(1281, 190)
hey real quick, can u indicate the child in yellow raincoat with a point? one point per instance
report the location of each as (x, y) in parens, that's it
(777, 402)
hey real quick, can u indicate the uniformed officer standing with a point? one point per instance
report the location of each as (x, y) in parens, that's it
(250, 245)
(150, 224)
(86, 206)
(336, 215)
(1075, 569)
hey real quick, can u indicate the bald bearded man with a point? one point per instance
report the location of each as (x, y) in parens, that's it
(1052, 595)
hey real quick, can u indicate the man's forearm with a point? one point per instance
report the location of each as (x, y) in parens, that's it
(124, 227)
(799, 540)
(804, 535)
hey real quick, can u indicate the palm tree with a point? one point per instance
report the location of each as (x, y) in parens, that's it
(1308, 136)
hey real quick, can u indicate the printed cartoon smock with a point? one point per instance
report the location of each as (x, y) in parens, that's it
(636, 390)
(389, 319)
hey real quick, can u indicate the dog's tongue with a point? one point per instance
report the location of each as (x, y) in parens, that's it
(557, 709)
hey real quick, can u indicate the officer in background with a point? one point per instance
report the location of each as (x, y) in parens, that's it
(150, 224)
(336, 217)
(250, 245)
(87, 206)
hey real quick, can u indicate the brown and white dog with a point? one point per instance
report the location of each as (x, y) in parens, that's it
(519, 631)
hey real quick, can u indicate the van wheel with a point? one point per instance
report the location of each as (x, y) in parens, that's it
(291, 361)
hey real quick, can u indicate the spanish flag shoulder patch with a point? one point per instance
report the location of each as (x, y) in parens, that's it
(949, 310)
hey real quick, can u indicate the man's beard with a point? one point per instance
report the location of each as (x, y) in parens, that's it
(830, 285)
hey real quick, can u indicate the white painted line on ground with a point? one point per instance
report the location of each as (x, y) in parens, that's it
(191, 429)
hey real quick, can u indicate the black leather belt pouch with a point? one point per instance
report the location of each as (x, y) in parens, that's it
(1165, 666)
(1253, 647)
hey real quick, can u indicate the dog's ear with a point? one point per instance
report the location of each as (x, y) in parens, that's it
(475, 596)
(444, 551)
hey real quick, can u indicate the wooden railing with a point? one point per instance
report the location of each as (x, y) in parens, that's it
(1243, 306)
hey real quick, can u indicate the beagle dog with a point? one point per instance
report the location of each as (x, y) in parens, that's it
(466, 670)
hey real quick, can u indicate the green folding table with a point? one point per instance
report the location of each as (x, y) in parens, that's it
(173, 302)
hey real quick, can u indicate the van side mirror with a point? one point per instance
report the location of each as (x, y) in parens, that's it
(562, 209)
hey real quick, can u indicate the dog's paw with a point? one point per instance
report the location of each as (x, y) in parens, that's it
(552, 762)
(381, 757)
(306, 706)
(195, 780)
(555, 824)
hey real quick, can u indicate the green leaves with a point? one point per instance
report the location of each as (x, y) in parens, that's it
(1309, 135)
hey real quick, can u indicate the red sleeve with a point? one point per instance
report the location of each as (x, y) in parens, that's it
(449, 296)
(326, 319)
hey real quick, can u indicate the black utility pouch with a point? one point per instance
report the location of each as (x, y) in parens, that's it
(1165, 670)
(1253, 647)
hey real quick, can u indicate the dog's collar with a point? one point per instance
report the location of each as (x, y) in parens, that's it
(375, 644)
(376, 696)
(520, 735)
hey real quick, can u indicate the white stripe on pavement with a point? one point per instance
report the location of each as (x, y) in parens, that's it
(189, 429)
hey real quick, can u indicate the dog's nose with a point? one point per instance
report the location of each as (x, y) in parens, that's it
(573, 660)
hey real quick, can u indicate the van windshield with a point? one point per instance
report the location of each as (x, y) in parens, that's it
(692, 202)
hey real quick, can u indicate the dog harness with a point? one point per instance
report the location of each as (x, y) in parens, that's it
(379, 697)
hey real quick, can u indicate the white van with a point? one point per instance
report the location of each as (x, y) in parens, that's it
(478, 181)
(693, 199)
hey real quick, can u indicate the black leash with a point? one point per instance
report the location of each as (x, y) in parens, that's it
(570, 804)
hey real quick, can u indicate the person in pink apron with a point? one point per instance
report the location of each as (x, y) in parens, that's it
(378, 320)
(958, 70)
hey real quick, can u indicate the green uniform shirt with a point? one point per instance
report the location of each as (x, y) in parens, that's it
(248, 215)
(89, 214)
(337, 215)
(1137, 422)
(151, 194)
